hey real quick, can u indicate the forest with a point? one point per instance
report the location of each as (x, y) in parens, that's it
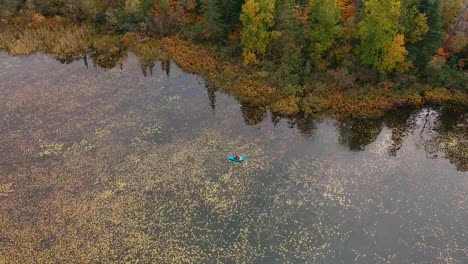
(300, 48)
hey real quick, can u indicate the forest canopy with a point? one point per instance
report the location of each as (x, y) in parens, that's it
(294, 39)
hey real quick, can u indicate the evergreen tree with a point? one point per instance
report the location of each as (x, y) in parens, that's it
(231, 10)
(211, 26)
(422, 52)
(147, 8)
(286, 22)
(286, 51)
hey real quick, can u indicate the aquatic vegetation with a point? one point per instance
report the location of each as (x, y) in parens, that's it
(53, 149)
(115, 194)
(151, 130)
(173, 98)
(102, 132)
(6, 189)
(83, 146)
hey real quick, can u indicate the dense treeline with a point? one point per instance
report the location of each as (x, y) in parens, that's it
(293, 42)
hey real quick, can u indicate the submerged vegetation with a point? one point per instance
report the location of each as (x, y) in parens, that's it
(113, 166)
(269, 54)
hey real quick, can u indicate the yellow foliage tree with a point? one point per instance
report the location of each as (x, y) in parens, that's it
(258, 18)
(396, 54)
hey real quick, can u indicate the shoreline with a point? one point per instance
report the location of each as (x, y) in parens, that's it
(67, 41)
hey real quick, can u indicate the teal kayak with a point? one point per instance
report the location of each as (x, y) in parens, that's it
(233, 158)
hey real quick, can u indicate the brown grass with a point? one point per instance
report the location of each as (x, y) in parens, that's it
(52, 36)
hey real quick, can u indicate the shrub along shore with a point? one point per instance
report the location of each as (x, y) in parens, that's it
(334, 93)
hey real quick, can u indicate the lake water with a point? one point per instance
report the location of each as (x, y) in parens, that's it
(129, 165)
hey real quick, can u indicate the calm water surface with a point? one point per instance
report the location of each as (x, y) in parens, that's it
(129, 165)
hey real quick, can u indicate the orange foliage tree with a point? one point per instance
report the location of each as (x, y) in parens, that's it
(348, 9)
(169, 14)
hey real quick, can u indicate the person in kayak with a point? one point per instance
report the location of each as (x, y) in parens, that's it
(238, 157)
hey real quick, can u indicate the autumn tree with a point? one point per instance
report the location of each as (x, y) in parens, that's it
(413, 25)
(323, 27)
(343, 51)
(348, 9)
(456, 38)
(170, 14)
(125, 15)
(450, 10)
(132, 9)
(396, 54)
(165, 16)
(258, 17)
(378, 34)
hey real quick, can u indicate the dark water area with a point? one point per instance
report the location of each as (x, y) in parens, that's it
(129, 164)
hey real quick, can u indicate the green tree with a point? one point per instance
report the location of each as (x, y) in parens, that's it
(377, 32)
(147, 9)
(86, 9)
(231, 10)
(413, 23)
(50, 7)
(286, 51)
(323, 27)
(258, 18)
(422, 52)
(9, 7)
